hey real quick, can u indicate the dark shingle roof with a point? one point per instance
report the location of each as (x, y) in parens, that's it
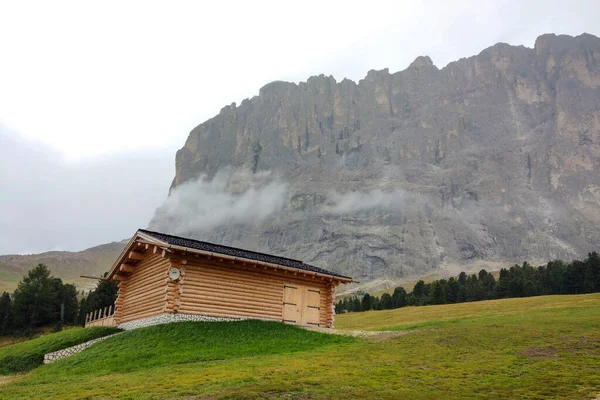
(235, 252)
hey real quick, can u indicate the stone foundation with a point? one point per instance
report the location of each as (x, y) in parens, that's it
(168, 318)
(69, 351)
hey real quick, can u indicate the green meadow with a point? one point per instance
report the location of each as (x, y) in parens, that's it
(531, 348)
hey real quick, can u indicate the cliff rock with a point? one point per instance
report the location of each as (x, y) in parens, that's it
(494, 157)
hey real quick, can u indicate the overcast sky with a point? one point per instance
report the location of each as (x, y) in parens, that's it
(96, 97)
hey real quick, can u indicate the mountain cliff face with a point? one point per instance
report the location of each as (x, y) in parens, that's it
(493, 157)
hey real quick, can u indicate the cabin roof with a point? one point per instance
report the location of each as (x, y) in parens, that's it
(237, 252)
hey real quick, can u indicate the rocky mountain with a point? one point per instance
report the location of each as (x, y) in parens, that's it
(493, 157)
(66, 265)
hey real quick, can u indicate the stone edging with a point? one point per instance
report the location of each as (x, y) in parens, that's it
(168, 318)
(69, 351)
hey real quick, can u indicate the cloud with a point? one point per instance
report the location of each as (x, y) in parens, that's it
(47, 203)
(352, 202)
(232, 196)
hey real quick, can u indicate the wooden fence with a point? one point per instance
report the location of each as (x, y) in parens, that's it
(102, 317)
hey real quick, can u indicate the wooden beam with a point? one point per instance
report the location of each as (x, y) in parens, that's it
(126, 268)
(119, 277)
(135, 255)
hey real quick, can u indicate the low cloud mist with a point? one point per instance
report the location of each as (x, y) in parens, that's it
(352, 202)
(232, 196)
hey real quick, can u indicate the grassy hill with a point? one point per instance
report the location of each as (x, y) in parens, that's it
(29, 354)
(532, 348)
(64, 264)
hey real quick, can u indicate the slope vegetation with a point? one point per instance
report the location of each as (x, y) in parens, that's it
(543, 347)
(27, 355)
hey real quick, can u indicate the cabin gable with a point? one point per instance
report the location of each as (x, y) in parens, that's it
(144, 291)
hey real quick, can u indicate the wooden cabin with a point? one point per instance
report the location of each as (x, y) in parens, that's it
(164, 278)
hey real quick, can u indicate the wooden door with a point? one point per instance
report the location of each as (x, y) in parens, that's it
(312, 306)
(292, 308)
(301, 305)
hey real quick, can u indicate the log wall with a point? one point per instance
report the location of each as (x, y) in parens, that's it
(212, 288)
(222, 289)
(142, 294)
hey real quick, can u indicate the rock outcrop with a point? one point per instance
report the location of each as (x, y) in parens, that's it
(496, 157)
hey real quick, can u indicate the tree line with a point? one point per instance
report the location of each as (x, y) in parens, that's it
(556, 277)
(42, 300)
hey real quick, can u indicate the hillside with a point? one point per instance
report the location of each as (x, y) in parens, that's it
(539, 347)
(63, 264)
(494, 157)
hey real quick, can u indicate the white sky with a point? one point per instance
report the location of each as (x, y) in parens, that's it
(93, 80)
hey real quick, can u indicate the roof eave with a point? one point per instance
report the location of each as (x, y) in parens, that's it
(248, 260)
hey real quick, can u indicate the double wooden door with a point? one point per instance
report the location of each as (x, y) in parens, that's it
(301, 304)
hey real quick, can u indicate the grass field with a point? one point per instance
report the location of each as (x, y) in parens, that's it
(29, 354)
(533, 348)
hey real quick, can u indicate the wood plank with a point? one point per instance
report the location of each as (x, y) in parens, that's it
(192, 292)
(155, 307)
(141, 276)
(233, 279)
(145, 279)
(235, 303)
(144, 296)
(268, 274)
(227, 314)
(249, 313)
(227, 287)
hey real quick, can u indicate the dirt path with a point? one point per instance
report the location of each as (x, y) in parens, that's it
(370, 335)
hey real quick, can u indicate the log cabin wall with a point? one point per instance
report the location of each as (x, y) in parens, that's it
(144, 293)
(232, 290)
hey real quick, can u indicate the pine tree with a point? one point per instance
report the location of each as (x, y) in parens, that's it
(437, 294)
(69, 304)
(83, 311)
(399, 298)
(452, 291)
(35, 300)
(386, 301)
(356, 306)
(5, 314)
(366, 303)
(419, 289)
(104, 295)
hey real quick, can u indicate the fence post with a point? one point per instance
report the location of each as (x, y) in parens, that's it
(109, 311)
